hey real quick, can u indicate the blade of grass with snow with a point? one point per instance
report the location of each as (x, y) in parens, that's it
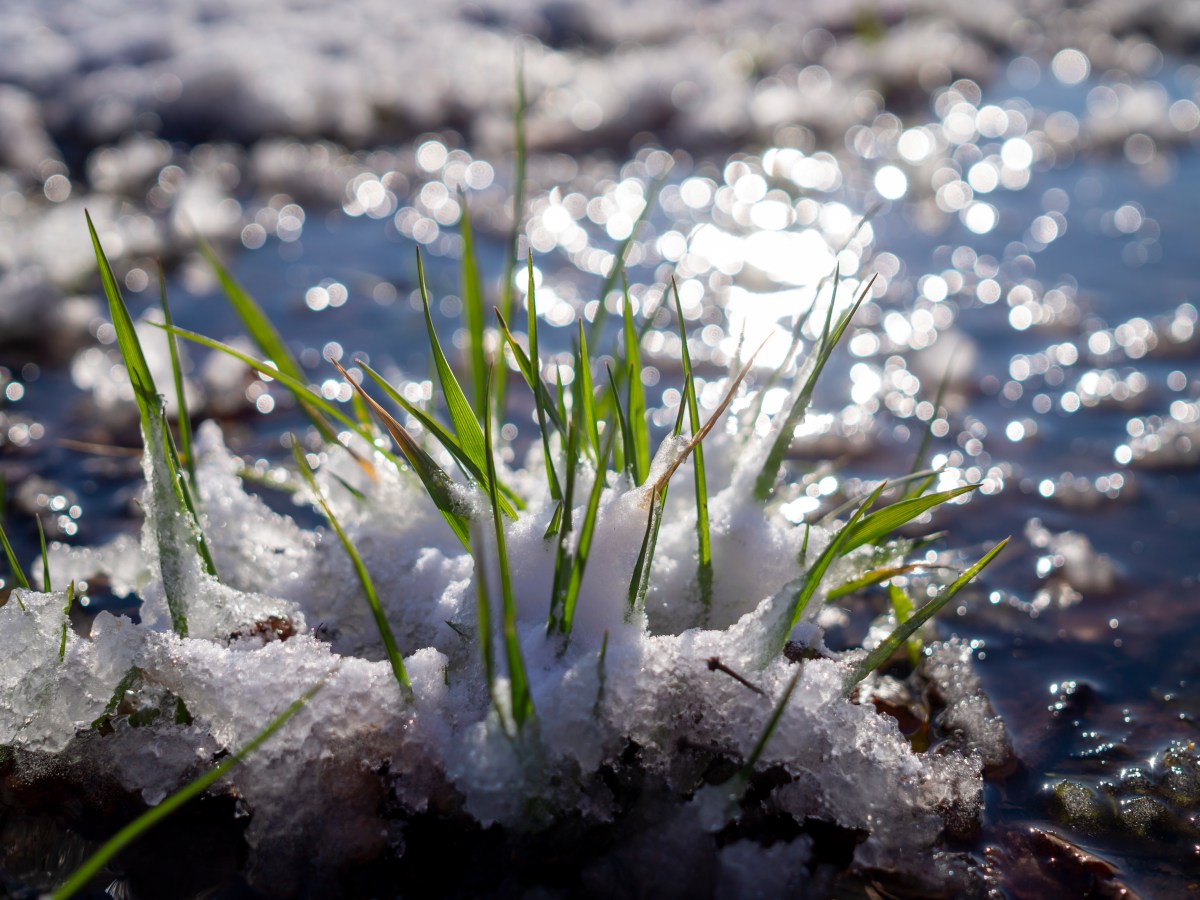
(360, 570)
(904, 630)
(171, 495)
(483, 612)
(760, 745)
(66, 623)
(586, 531)
(521, 698)
(639, 584)
(641, 572)
(182, 419)
(147, 820)
(562, 553)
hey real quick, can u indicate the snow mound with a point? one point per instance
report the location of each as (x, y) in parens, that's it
(627, 685)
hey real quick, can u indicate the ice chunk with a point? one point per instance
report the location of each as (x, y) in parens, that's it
(44, 699)
(948, 666)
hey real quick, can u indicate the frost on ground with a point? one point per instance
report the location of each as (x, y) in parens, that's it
(288, 614)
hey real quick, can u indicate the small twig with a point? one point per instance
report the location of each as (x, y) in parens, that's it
(715, 665)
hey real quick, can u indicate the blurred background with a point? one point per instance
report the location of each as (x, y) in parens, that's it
(1022, 179)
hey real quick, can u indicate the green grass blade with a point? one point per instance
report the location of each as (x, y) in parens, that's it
(765, 483)
(521, 698)
(585, 395)
(640, 581)
(173, 496)
(586, 532)
(628, 455)
(560, 399)
(437, 483)
(704, 572)
(904, 630)
(62, 642)
(472, 291)
(814, 576)
(14, 565)
(562, 554)
(483, 611)
(443, 437)
(555, 412)
(601, 677)
(927, 478)
(151, 817)
(183, 420)
(875, 576)
(507, 287)
(118, 695)
(462, 417)
(534, 376)
(639, 584)
(760, 745)
(270, 342)
(360, 569)
(638, 424)
(903, 608)
(45, 556)
(882, 523)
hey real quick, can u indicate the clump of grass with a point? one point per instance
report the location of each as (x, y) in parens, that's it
(598, 424)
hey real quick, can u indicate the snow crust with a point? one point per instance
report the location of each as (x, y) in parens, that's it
(315, 789)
